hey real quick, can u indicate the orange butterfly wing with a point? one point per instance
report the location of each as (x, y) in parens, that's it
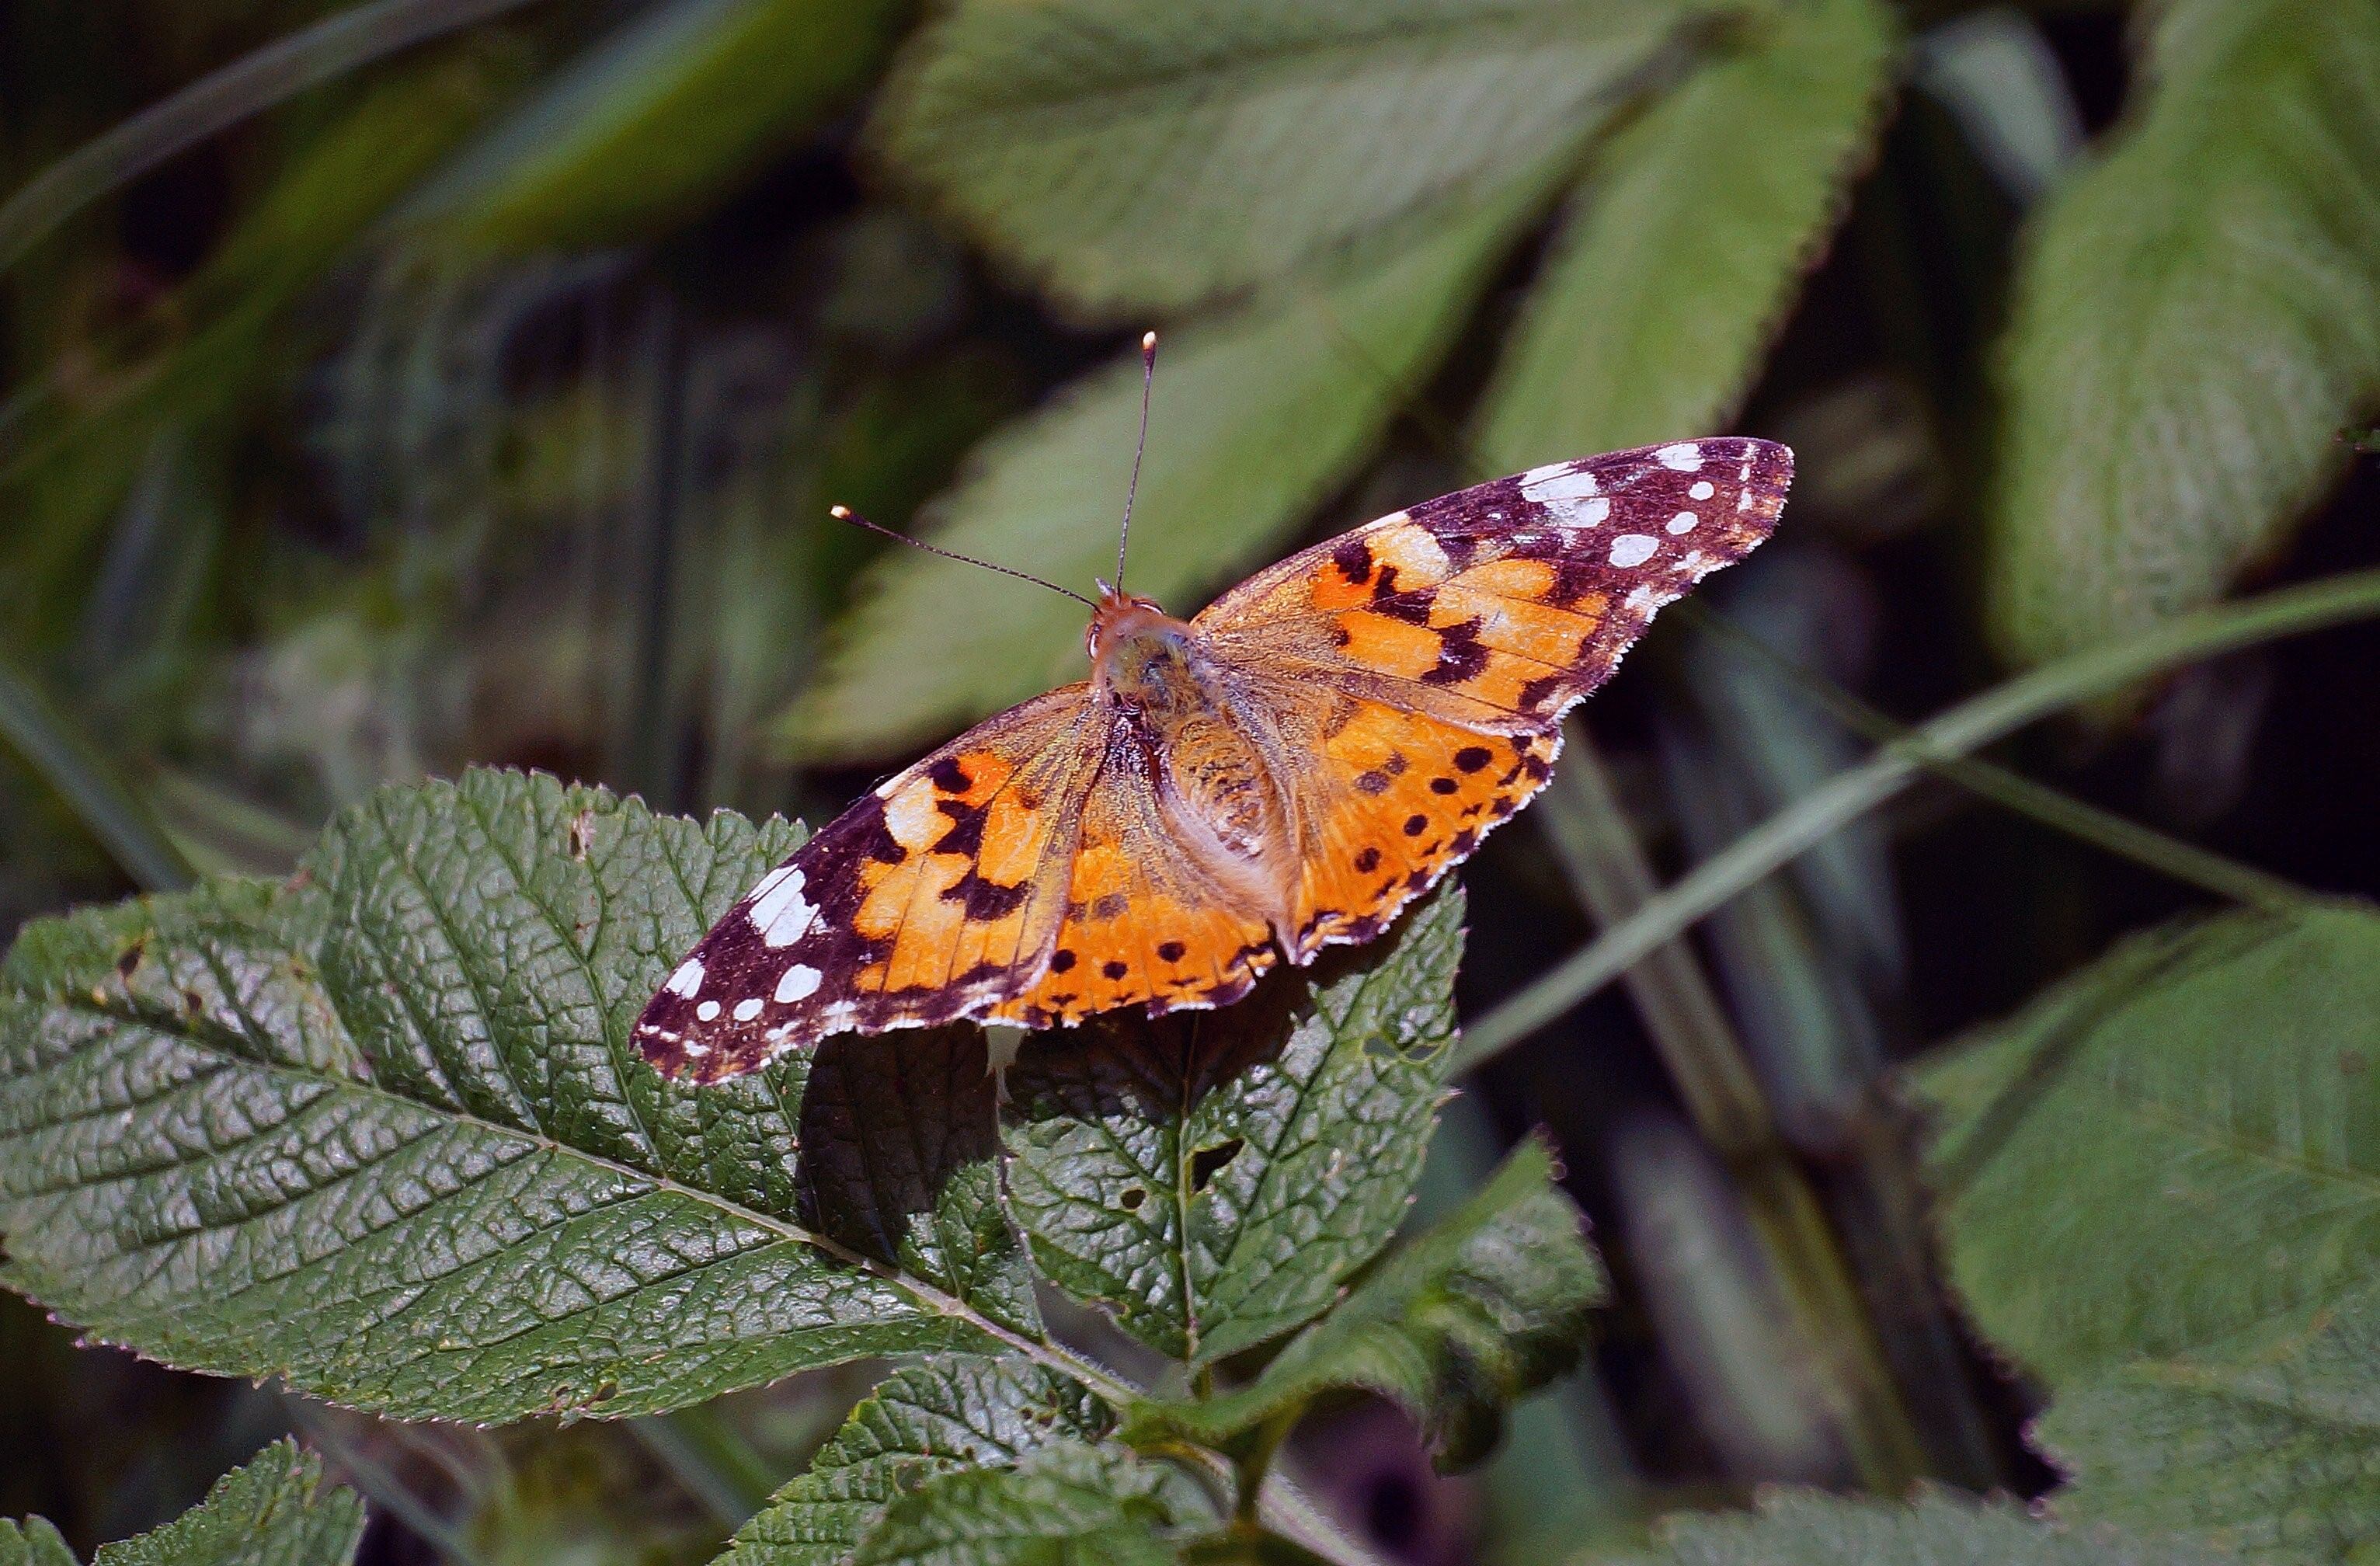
(1420, 666)
(936, 895)
(1388, 697)
(1145, 922)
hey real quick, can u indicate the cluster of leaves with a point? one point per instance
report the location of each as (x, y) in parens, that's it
(378, 1132)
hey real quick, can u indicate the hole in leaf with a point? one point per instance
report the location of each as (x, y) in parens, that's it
(1207, 1163)
(1132, 1199)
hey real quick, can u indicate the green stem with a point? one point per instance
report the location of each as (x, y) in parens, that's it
(2013, 791)
(105, 805)
(1703, 1055)
(1966, 727)
(706, 1456)
(247, 86)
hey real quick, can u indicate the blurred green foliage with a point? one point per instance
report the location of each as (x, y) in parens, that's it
(388, 387)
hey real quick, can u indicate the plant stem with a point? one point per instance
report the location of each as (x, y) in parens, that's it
(2013, 791)
(1698, 1046)
(105, 805)
(254, 82)
(1972, 723)
(714, 1465)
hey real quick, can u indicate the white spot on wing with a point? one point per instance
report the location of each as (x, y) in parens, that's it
(1633, 548)
(1683, 522)
(1704, 489)
(747, 1008)
(1561, 481)
(1640, 599)
(1685, 457)
(800, 981)
(779, 912)
(707, 1011)
(688, 981)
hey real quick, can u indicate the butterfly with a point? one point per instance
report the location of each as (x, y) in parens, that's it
(1282, 773)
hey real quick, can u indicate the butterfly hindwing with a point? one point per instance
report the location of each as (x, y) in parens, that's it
(934, 896)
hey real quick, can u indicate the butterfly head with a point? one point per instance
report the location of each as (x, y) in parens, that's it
(1137, 650)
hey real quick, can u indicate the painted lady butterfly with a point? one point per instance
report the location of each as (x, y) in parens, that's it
(1282, 773)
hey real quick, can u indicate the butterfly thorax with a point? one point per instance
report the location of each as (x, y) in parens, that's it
(1213, 782)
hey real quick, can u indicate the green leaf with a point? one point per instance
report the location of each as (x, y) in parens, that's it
(1066, 1504)
(2163, 1192)
(658, 120)
(2270, 1448)
(1804, 1528)
(1258, 415)
(1133, 157)
(1486, 1306)
(2176, 1146)
(33, 1543)
(381, 1130)
(2197, 318)
(946, 1414)
(1690, 240)
(276, 1511)
(1211, 1177)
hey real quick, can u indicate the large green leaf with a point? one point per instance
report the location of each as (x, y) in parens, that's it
(275, 1511)
(381, 1130)
(2197, 316)
(1134, 157)
(1803, 1528)
(658, 119)
(948, 1412)
(1489, 1306)
(1690, 240)
(2162, 1190)
(2270, 1448)
(1211, 1177)
(2179, 1144)
(1066, 1504)
(1258, 415)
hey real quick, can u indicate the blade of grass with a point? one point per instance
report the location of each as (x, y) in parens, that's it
(715, 1464)
(249, 85)
(1698, 1045)
(56, 750)
(2079, 818)
(1972, 723)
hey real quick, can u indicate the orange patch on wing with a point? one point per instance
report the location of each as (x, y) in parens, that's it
(1393, 647)
(1407, 796)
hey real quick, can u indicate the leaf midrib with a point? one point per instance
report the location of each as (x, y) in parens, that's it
(938, 1301)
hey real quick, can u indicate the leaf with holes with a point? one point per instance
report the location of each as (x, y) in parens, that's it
(1131, 157)
(2162, 1191)
(2196, 320)
(1211, 1176)
(946, 1414)
(380, 1131)
(1460, 1323)
(275, 1511)
(1690, 238)
(1259, 414)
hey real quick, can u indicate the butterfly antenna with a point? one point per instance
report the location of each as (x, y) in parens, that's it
(1148, 384)
(844, 513)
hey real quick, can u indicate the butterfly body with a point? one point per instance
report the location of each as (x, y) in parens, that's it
(1283, 771)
